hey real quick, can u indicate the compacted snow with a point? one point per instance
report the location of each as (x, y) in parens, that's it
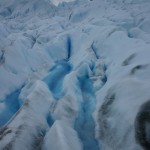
(75, 75)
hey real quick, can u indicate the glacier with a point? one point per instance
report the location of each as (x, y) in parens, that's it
(74, 75)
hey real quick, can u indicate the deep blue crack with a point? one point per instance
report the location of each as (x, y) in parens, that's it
(84, 124)
(130, 35)
(50, 120)
(55, 79)
(104, 78)
(12, 105)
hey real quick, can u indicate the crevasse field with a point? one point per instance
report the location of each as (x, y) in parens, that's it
(75, 75)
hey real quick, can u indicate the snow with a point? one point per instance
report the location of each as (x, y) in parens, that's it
(65, 135)
(59, 2)
(74, 74)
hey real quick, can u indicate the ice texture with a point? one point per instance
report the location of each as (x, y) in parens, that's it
(74, 75)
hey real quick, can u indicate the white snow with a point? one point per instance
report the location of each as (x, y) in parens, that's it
(61, 136)
(59, 2)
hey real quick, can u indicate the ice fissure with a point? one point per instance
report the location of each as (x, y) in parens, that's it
(13, 104)
(84, 123)
(75, 76)
(54, 79)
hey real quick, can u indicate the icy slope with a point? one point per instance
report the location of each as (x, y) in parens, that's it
(75, 76)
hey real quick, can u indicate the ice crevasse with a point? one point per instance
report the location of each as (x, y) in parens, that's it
(74, 75)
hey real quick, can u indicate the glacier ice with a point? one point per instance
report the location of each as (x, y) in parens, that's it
(62, 132)
(30, 122)
(74, 75)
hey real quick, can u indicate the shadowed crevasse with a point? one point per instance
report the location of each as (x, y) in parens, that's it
(84, 124)
(12, 105)
(69, 47)
(55, 79)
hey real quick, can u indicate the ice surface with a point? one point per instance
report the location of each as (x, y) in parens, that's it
(74, 75)
(59, 2)
(30, 120)
(66, 136)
